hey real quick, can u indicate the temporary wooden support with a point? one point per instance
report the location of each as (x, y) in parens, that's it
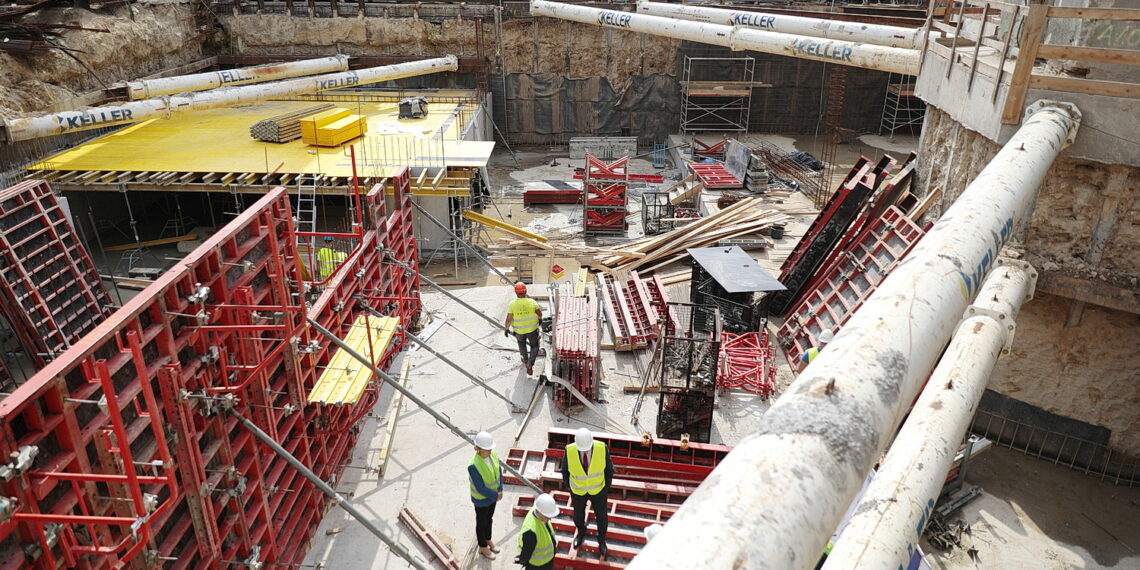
(429, 539)
(488, 221)
(151, 243)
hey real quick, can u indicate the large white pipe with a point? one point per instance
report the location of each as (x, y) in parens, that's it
(147, 88)
(882, 58)
(895, 507)
(894, 36)
(164, 107)
(778, 496)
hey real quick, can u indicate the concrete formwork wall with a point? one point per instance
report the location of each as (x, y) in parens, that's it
(1089, 371)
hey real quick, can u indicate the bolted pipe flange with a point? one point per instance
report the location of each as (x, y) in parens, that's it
(1070, 108)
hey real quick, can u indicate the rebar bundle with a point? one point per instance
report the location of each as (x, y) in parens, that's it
(284, 127)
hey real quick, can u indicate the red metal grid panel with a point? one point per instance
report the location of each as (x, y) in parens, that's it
(136, 463)
(748, 362)
(50, 292)
(848, 282)
(576, 346)
(714, 175)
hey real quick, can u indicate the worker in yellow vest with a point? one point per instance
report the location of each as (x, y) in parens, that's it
(588, 471)
(328, 259)
(537, 544)
(486, 479)
(523, 316)
(810, 354)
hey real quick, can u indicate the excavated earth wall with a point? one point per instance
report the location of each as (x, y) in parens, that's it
(140, 39)
(1090, 371)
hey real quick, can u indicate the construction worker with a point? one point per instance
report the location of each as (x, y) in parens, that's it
(536, 540)
(523, 315)
(328, 259)
(651, 531)
(824, 338)
(588, 471)
(486, 478)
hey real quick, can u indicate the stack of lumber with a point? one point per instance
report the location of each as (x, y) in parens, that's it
(285, 127)
(744, 217)
(333, 127)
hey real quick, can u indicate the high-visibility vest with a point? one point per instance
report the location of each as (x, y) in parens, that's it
(489, 473)
(592, 479)
(328, 260)
(524, 315)
(544, 539)
(810, 355)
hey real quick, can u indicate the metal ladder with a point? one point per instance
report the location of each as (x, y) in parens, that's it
(307, 206)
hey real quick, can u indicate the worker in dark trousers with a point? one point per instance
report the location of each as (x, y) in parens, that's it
(588, 471)
(486, 479)
(523, 315)
(537, 543)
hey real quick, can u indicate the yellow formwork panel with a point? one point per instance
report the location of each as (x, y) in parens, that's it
(345, 377)
(217, 140)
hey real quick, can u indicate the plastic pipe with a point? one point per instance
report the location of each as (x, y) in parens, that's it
(876, 34)
(882, 58)
(148, 88)
(777, 497)
(893, 511)
(164, 107)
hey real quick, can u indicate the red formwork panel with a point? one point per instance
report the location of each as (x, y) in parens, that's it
(714, 175)
(136, 465)
(576, 347)
(844, 285)
(50, 292)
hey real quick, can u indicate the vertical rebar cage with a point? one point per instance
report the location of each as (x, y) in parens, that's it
(687, 372)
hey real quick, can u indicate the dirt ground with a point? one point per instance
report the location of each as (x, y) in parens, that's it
(1036, 515)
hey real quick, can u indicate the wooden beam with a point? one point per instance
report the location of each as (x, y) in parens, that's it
(1090, 86)
(1089, 291)
(393, 418)
(1094, 13)
(1019, 84)
(1100, 55)
(153, 242)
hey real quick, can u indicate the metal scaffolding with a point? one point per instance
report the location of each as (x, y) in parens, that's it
(716, 94)
(901, 107)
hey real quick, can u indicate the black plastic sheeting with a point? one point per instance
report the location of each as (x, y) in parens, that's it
(547, 108)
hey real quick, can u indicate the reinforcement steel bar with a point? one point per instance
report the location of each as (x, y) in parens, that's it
(866, 56)
(147, 88)
(776, 499)
(875, 34)
(894, 508)
(440, 418)
(163, 107)
(360, 517)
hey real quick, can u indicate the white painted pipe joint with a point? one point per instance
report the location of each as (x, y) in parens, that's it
(147, 88)
(866, 56)
(875, 34)
(775, 500)
(888, 522)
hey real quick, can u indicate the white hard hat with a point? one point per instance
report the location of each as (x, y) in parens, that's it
(483, 440)
(826, 336)
(546, 506)
(651, 531)
(583, 439)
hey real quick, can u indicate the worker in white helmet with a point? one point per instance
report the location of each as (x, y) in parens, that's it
(588, 471)
(486, 479)
(537, 543)
(651, 531)
(809, 355)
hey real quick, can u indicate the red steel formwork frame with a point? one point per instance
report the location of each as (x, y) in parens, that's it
(135, 464)
(847, 282)
(605, 188)
(748, 362)
(714, 151)
(50, 292)
(575, 342)
(715, 176)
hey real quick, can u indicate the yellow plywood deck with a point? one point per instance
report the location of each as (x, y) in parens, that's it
(217, 140)
(345, 378)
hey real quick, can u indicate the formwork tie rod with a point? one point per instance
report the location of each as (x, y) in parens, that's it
(478, 381)
(439, 418)
(327, 490)
(464, 242)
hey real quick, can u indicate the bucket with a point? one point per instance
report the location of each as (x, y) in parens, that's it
(778, 231)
